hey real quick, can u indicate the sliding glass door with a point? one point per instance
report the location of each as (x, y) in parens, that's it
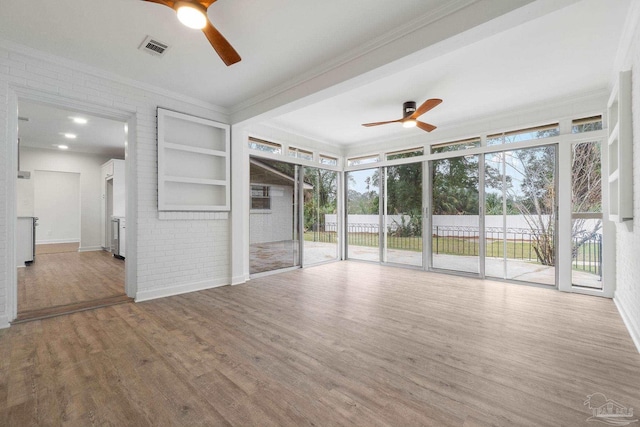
(363, 214)
(320, 215)
(455, 221)
(403, 214)
(520, 214)
(274, 215)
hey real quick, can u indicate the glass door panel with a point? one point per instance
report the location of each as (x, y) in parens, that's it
(403, 214)
(455, 217)
(320, 215)
(363, 214)
(273, 218)
(586, 229)
(520, 224)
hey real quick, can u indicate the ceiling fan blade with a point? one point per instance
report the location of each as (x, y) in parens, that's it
(425, 126)
(426, 106)
(168, 3)
(226, 52)
(381, 123)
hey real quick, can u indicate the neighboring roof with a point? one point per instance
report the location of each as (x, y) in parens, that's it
(264, 174)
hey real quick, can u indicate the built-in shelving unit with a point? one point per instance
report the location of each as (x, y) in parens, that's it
(193, 163)
(619, 146)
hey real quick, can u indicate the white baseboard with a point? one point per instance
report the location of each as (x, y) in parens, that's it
(54, 241)
(238, 280)
(4, 322)
(89, 248)
(180, 289)
(633, 329)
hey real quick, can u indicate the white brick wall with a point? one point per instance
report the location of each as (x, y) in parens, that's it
(174, 250)
(627, 295)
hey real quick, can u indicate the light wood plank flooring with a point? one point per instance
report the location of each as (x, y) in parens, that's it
(66, 278)
(346, 343)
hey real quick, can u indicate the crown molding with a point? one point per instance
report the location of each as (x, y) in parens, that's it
(97, 72)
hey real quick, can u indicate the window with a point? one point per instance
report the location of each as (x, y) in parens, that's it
(364, 160)
(403, 154)
(586, 124)
(328, 160)
(462, 144)
(519, 135)
(299, 153)
(260, 198)
(262, 145)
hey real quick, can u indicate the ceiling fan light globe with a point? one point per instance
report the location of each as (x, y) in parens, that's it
(192, 16)
(409, 123)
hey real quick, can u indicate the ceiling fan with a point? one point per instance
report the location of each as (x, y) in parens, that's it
(410, 115)
(193, 14)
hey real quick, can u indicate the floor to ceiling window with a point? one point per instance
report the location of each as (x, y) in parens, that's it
(363, 214)
(455, 220)
(520, 220)
(320, 215)
(586, 207)
(403, 220)
(489, 204)
(274, 215)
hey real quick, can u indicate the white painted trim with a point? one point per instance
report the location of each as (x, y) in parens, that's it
(180, 289)
(239, 280)
(4, 322)
(633, 330)
(56, 241)
(11, 152)
(20, 92)
(97, 72)
(90, 248)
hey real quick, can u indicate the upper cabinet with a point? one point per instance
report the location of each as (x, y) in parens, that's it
(620, 146)
(193, 163)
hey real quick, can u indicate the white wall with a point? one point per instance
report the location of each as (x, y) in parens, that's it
(275, 224)
(172, 252)
(57, 206)
(88, 166)
(627, 295)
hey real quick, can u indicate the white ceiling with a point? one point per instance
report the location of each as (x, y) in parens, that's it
(565, 53)
(277, 39)
(546, 50)
(46, 126)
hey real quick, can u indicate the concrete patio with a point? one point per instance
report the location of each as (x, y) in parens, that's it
(277, 255)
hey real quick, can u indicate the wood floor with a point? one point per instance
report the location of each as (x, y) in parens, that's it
(61, 279)
(345, 343)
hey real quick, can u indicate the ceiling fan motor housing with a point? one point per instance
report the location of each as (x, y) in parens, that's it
(408, 108)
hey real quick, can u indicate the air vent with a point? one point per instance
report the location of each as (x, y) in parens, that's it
(153, 47)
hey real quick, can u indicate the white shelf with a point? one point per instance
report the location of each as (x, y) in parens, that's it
(620, 147)
(193, 163)
(200, 181)
(190, 149)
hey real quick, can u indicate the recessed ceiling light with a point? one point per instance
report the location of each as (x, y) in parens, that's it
(63, 147)
(70, 135)
(79, 120)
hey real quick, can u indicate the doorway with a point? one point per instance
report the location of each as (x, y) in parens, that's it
(61, 157)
